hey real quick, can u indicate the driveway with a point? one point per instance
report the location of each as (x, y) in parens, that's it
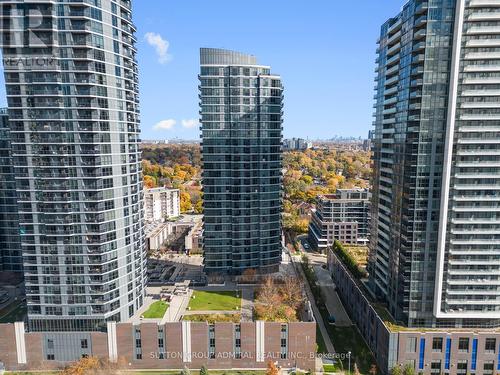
(332, 300)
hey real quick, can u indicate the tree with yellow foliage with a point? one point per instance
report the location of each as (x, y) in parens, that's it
(185, 204)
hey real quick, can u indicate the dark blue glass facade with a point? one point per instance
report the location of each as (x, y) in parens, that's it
(241, 116)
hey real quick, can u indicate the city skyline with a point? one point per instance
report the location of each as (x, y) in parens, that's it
(255, 249)
(308, 36)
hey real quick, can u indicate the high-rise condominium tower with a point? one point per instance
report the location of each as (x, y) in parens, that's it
(241, 115)
(435, 241)
(71, 80)
(10, 243)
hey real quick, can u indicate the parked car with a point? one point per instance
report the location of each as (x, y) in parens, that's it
(331, 319)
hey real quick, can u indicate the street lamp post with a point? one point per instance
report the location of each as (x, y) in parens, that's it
(349, 354)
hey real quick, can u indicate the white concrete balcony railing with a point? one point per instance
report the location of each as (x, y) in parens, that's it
(480, 105)
(473, 209)
(478, 117)
(481, 93)
(484, 16)
(474, 282)
(478, 30)
(473, 232)
(476, 152)
(484, 3)
(482, 81)
(473, 292)
(475, 272)
(461, 302)
(473, 164)
(475, 242)
(479, 128)
(481, 68)
(483, 42)
(482, 55)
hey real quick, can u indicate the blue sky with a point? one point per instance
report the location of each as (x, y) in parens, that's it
(323, 49)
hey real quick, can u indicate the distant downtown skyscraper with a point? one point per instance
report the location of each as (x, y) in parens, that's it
(241, 116)
(435, 241)
(72, 90)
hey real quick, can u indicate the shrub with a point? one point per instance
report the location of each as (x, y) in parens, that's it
(348, 260)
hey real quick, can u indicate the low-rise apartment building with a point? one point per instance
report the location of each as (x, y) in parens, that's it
(175, 345)
(343, 216)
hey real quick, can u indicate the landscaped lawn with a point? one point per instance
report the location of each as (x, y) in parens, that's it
(156, 310)
(213, 318)
(220, 300)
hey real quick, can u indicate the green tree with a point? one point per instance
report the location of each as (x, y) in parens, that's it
(203, 370)
(396, 370)
(185, 371)
(408, 370)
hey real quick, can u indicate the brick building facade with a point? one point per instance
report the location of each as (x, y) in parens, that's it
(247, 345)
(452, 351)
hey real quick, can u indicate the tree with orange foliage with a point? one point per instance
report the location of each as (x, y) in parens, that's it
(272, 369)
(149, 182)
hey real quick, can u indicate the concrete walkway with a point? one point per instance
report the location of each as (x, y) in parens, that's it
(177, 307)
(247, 296)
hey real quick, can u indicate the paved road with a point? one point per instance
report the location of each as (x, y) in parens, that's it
(332, 300)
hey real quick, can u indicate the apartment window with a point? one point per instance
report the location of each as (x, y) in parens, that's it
(138, 343)
(411, 345)
(237, 341)
(488, 367)
(463, 344)
(161, 343)
(50, 357)
(84, 344)
(462, 367)
(50, 344)
(211, 341)
(437, 344)
(490, 345)
(284, 341)
(436, 367)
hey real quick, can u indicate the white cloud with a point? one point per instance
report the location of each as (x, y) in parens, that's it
(165, 125)
(161, 46)
(191, 123)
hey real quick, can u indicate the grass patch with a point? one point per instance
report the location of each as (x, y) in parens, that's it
(213, 318)
(215, 301)
(331, 368)
(320, 342)
(156, 310)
